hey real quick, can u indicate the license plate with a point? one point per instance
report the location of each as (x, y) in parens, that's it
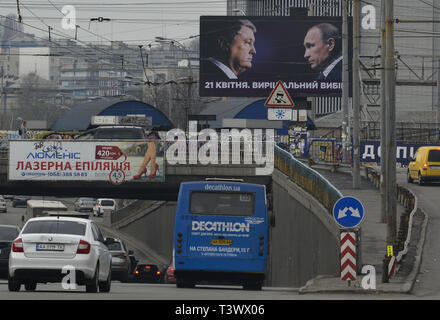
(435, 167)
(50, 247)
(221, 242)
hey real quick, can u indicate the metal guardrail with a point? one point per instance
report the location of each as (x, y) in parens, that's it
(328, 150)
(309, 179)
(408, 200)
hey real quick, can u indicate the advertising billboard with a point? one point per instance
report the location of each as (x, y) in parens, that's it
(113, 161)
(245, 56)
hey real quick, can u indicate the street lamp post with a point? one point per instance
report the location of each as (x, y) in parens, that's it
(190, 77)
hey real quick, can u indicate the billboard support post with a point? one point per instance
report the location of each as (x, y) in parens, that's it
(345, 82)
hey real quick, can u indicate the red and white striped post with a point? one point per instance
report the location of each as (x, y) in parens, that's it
(348, 256)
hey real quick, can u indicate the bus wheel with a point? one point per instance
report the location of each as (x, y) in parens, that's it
(255, 285)
(184, 284)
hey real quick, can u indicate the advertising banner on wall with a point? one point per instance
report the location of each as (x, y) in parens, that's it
(58, 160)
(246, 56)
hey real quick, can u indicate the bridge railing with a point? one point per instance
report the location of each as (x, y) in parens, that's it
(309, 179)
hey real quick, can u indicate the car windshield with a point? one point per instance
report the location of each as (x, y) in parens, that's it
(118, 133)
(115, 246)
(434, 156)
(8, 233)
(107, 203)
(56, 226)
(86, 199)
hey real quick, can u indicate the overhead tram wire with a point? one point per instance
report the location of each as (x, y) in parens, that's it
(110, 54)
(76, 53)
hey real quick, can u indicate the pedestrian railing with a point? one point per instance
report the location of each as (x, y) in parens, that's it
(309, 179)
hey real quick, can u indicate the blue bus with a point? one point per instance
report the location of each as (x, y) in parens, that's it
(221, 234)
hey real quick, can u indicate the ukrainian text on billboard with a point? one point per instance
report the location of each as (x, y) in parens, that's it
(246, 56)
(59, 160)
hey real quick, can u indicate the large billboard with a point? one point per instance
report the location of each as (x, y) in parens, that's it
(113, 161)
(245, 56)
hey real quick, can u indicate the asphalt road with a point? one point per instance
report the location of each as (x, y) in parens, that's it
(426, 287)
(428, 281)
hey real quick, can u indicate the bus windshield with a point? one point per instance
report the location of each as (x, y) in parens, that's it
(222, 203)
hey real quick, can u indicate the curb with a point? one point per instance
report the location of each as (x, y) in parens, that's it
(403, 287)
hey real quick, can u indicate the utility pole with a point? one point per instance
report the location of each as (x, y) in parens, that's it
(390, 98)
(438, 100)
(356, 98)
(383, 126)
(345, 82)
(3, 99)
(188, 104)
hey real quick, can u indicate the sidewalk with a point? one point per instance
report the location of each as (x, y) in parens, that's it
(373, 242)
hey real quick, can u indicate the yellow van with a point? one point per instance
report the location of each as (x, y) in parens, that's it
(425, 166)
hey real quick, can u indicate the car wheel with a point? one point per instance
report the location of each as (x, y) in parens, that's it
(408, 177)
(106, 285)
(255, 285)
(13, 285)
(30, 286)
(92, 286)
(420, 180)
(124, 278)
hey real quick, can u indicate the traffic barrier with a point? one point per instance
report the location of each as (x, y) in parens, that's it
(409, 202)
(391, 266)
(307, 178)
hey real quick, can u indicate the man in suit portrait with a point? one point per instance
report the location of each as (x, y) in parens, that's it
(231, 49)
(323, 51)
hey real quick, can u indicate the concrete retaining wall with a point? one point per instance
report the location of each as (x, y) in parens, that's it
(155, 228)
(305, 239)
(304, 242)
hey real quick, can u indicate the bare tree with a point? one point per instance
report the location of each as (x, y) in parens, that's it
(36, 100)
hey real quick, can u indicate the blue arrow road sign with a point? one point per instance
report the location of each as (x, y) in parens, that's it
(348, 212)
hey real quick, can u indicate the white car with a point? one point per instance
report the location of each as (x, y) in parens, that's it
(46, 245)
(102, 205)
(3, 207)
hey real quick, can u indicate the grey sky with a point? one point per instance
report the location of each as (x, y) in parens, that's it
(132, 21)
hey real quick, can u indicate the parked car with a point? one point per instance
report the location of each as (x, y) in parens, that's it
(103, 204)
(3, 207)
(425, 166)
(121, 263)
(7, 235)
(20, 201)
(84, 204)
(47, 244)
(113, 132)
(147, 273)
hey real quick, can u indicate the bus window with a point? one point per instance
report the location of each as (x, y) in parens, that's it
(222, 203)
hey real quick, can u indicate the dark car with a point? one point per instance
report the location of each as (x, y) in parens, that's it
(20, 201)
(148, 273)
(113, 132)
(121, 262)
(7, 235)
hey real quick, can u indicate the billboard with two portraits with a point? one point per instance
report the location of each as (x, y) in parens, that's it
(245, 56)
